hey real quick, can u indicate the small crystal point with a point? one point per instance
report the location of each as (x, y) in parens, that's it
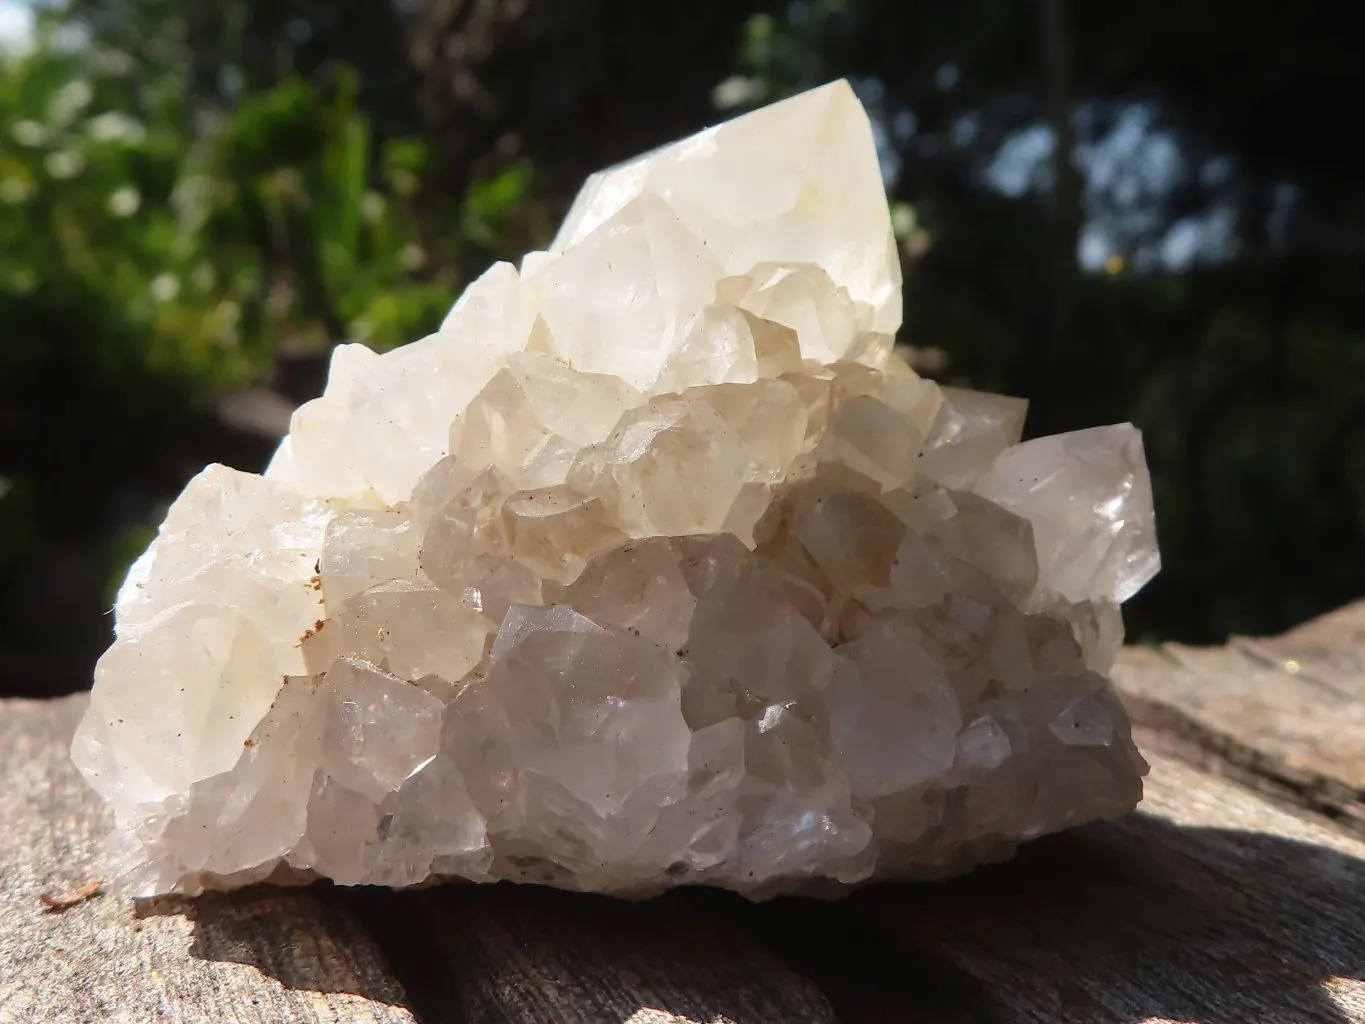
(654, 565)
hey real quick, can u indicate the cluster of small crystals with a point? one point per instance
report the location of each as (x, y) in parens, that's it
(654, 565)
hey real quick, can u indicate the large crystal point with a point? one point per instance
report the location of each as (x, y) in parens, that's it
(796, 183)
(654, 565)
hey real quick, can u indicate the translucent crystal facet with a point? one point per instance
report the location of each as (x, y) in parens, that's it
(653, 565)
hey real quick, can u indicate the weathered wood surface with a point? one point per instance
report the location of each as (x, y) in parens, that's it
(1236, 894)
(285, 955)
(1286, 714)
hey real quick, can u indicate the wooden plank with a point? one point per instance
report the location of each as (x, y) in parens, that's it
(1236, 894)
(473, 953)
(530, 955)
(1209, 905)
(264, 956)
(1287, 712)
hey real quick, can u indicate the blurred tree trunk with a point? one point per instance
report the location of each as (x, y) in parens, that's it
(1056, 54)
(1066, 211)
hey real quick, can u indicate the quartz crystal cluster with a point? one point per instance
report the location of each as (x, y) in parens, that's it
(654, 565)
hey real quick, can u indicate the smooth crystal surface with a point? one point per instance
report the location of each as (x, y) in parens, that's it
(654, 565)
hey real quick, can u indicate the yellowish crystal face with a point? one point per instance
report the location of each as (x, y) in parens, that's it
(654, 565)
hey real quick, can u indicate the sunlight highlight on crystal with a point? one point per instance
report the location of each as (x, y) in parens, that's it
(654, 565)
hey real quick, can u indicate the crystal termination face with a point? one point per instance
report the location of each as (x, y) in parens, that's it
(655, 565)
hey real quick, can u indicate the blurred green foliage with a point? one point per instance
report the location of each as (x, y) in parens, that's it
(159, 249)
(210, 237)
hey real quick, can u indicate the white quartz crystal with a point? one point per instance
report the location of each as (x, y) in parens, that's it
(654, 565)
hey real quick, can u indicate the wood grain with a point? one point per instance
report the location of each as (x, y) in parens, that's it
(526, 954)
(1235, 894)
(1286, 713)
(1208, 905)
(268, 955)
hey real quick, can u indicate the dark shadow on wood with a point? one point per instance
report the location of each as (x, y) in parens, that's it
(1116, 922)
(863, 966)
(304, 938)
(521, 954)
